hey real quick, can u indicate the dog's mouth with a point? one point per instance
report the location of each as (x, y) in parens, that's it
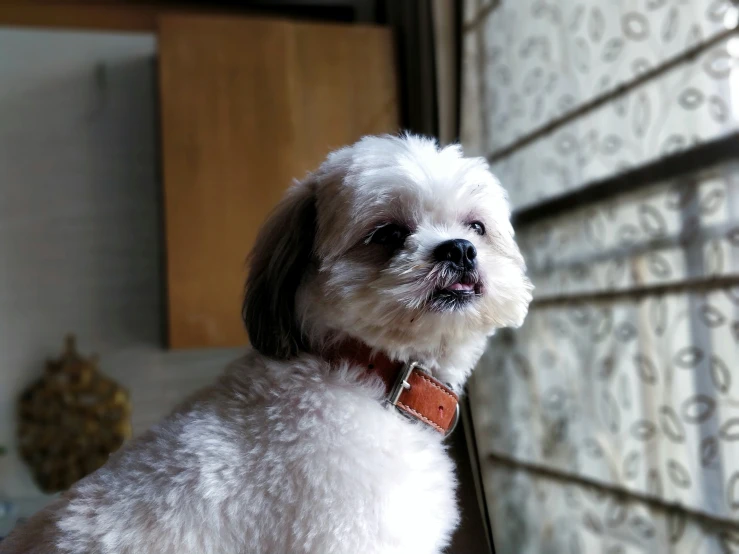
(461, 287)
(457, 294)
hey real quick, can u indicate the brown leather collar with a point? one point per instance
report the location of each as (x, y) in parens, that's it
(409, 387)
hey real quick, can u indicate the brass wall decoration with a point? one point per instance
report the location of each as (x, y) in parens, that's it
(71, 420)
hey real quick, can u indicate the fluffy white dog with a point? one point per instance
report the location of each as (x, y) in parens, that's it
(393, 246)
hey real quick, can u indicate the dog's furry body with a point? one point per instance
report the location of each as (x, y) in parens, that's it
(288, 453)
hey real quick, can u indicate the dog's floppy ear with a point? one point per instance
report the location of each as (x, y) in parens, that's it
(280, 257)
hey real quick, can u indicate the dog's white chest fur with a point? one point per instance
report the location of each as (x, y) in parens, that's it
(276, 459)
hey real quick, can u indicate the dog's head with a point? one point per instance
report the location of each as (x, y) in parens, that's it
(395, 242)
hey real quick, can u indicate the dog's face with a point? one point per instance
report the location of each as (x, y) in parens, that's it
(392, 241)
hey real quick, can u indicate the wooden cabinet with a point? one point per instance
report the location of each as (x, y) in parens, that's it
(248, 105)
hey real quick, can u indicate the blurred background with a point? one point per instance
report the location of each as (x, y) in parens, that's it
(143, 143)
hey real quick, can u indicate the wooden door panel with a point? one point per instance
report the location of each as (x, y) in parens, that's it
(246, 106)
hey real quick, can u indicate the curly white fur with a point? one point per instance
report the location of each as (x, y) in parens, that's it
(286, 454)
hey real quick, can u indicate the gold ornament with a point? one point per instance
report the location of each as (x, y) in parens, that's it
(71, 420)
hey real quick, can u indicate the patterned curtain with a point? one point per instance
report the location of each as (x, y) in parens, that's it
(610, 421)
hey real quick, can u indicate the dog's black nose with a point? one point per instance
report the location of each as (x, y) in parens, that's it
(460, 252)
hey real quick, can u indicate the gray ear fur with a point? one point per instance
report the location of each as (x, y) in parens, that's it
(281, 254)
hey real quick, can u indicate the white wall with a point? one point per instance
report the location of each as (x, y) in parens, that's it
(80, 240)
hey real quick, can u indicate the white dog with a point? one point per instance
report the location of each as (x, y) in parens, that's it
(325, 437)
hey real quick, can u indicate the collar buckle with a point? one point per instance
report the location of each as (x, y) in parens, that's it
(401, 384)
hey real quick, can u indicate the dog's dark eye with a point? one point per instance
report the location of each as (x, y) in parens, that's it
(477, 227)
(391, 235)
